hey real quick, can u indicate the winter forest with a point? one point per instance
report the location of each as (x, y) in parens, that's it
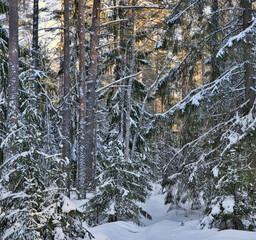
(103, 102)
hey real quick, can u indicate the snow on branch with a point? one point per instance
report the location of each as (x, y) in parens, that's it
(237, 38)
(134, 7)
(200, 93)
(117, 81)
(179, 15)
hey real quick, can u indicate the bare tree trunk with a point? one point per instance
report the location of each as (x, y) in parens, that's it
(184, 87)
(91, 94)
(82, 123)
(61, 80)
(117, 62)
(203, 69)
(123, 62)
(247, 48)
(35, 46)
(129, 88)
(67, 86)
(13, 80)
(214, 25)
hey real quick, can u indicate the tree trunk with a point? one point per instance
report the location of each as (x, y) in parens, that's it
(214, 25)
(61, 47)
(117, 61)
(91, 94)
(122, 63)
(247, 48)
(82, 123)
(13, 80)
(128, 99)
(184, 87)
(67, 86)
(35, 46)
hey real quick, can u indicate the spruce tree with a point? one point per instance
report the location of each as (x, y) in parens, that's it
(217, 151)
(33, 179)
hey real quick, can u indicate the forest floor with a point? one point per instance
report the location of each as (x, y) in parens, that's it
(176, 224)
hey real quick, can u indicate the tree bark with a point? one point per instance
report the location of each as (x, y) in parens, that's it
(116, 38)
(184, 87)
(247, 48)
(61, 47)
(91, 94)
(82, 123)
(35, 46)
(122, 63)
(13, 79)
(214, 25)
(128, 99)
(67, 86)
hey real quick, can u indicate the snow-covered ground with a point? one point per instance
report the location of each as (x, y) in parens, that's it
(174, 225)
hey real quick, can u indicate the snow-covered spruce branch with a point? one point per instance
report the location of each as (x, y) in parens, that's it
(134, 7)
(15, 157)
(199, 93)
(3, 42)
(117, 81)
(248, 123)
(197, 140)
(5, 141)
(237, 38)
(179, 15)
(232, 136)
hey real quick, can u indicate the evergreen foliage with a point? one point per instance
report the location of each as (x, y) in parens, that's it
(33, 202)
(216, 156)
(120, 184)
(33, 199)
(195, 58)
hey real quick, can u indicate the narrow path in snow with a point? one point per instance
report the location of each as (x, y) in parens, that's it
(165, 226)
